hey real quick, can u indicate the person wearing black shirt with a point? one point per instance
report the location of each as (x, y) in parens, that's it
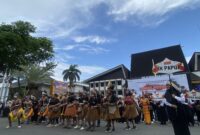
(161, 112)
(176, 112)
(1, 108)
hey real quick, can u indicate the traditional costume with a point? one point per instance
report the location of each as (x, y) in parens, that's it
(146, 110)
(43, 107)
(70, 110)
(130, 112)
(17, 112)
(28, 110)
(35, 107)
(92, 114)
(82, 109)
(112, 108)
(53, 111)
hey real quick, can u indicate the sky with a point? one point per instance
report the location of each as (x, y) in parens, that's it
(101, 34)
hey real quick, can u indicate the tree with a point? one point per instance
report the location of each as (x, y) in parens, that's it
(72, 74)
(18, 48)
(34, 75)
(38, 74)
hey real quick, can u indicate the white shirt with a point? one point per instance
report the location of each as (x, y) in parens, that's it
(181, 99)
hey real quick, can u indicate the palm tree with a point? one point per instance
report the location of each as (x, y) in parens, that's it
(35, 74)
(72, 74)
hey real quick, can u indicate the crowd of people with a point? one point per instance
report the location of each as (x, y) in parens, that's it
(85, 111)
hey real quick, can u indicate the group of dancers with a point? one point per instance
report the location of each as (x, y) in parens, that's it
(84, 111)
(75, 110)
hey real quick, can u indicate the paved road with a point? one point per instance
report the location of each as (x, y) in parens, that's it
(154, 129)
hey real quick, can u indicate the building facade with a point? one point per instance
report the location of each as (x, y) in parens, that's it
(194, 65)
(117, 76)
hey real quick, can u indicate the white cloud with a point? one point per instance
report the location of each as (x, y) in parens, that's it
(63, 57)
(92, 39)
(87, 71)
(64, 18)
(92, 49)
(66, 48)
(83, 48)
(147, 12)
(53, 18)
(91, 70)
(58, 71)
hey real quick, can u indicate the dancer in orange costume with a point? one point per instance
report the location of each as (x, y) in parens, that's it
(145, 109)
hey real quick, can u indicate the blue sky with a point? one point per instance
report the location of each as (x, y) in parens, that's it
(101, 34)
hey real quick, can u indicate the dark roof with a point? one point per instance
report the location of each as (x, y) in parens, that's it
(192, 63)
(118, 72)
(141, 63)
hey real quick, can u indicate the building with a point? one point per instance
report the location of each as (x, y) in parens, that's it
(34, 89)
(117, 76)
(59, 87)
(168, 60)
(194, 65)
(151, 70)
(164, 61)
(50, 87)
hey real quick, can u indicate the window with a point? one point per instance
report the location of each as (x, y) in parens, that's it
(97, 84)
(119, 82)
(113, 82)
(91, 85)
(102, 92)
(120, 92)
(102, 84)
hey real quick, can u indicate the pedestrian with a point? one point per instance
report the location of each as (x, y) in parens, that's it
(176, 111)
(1, 108)
(163, 118)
